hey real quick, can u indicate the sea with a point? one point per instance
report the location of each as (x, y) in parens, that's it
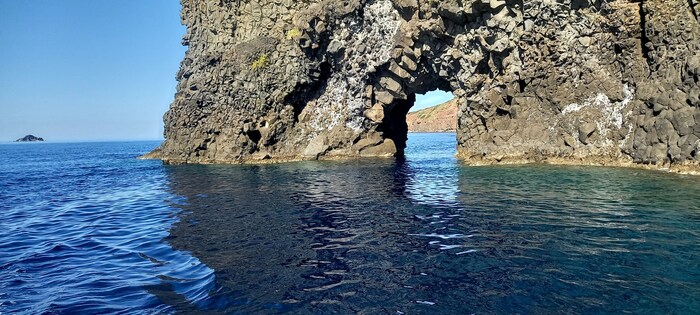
(87, 228)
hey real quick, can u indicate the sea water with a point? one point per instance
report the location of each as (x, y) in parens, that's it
(88, 228)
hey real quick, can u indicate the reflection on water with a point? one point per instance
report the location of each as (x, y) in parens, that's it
(296, 236)
(427, 235)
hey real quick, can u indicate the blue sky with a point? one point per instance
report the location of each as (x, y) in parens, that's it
(431, 99)
(76, 70)
(86, 70)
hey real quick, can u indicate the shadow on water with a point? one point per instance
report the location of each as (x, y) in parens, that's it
(427, 235)
(309, 236)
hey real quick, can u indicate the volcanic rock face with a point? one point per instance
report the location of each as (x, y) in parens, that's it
(571, 80)
(438, 118)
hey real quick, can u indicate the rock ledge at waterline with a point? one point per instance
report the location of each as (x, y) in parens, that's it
(547, 80)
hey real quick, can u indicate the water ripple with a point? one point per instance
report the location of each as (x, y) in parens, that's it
(82, 227)
(85, 228)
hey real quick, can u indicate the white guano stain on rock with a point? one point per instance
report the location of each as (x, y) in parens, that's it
(611, 111)
(608, 116)
(384, 24)
(343, 96)
(573, 107)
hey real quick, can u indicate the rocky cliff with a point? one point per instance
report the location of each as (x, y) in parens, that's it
(438, 118)
(579, 81)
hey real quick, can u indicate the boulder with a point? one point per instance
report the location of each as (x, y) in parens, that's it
(585, 131)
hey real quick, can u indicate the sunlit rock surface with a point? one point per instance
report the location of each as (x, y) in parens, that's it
(572, 81)
(438, 118)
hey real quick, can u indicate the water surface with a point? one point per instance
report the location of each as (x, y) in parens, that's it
(87, 228)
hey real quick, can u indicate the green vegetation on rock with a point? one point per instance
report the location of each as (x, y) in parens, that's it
(293, 33)
(261, 62)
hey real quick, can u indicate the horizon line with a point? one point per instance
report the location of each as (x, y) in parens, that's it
(83, 141)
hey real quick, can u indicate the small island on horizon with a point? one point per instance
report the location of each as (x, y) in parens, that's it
(30, 138)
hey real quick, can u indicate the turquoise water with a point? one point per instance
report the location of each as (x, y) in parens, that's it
(87, 228)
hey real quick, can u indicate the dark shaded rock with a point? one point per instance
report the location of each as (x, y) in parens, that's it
(29, 138)
(386, 148)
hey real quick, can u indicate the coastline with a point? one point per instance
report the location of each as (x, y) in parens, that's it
(681, 169)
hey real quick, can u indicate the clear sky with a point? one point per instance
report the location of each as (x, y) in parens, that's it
(431, 99)
(79, 70)
(86, 70)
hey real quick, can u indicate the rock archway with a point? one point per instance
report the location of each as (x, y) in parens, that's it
(574, 81)
(394, 96)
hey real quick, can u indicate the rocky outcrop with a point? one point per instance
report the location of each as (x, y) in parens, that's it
(582, 81)
(29, 138)
(438, 118)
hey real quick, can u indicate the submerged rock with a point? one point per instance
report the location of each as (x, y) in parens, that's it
(271, 78)
(29, 138)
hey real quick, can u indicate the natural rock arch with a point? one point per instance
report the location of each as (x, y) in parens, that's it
(575, 81)
(390, 110)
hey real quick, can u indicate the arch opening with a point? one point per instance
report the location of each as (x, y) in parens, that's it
(431, 99)
(427, 102)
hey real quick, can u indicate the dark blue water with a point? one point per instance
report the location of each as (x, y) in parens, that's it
(87, 228)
